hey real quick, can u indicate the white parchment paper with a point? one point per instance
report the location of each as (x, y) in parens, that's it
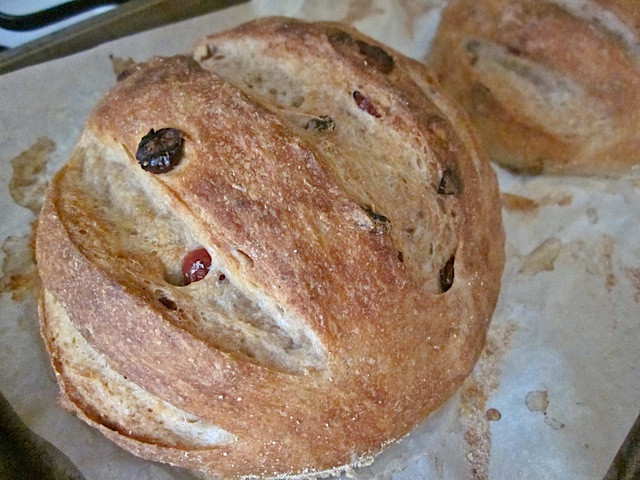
(561, 369)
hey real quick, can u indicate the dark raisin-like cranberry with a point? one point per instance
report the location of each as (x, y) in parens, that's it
(196, 265)
(450, 183)
(339, 38)
(438, 126)
(447, 274)
(365, 104)
(159, 152)
(400, 256)
(222, 277)
(473, 48)
(124, 74)
(376, 57)
(381, 224)
(321, 124)
(167, 302)
(514, 50)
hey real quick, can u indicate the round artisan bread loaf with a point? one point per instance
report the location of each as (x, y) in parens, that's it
(272, 259)
(551, 86)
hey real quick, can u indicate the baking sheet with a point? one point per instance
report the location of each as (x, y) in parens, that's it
(558, 385)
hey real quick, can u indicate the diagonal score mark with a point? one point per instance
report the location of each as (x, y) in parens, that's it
(138, 230)
(604, 19)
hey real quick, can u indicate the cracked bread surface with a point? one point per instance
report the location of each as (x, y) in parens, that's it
(551, 86)
(356, 246)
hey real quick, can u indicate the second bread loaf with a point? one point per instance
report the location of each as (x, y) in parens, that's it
(552, 86)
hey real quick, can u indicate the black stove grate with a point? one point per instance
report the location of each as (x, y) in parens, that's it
(43, 18)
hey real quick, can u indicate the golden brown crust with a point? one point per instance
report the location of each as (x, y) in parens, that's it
(248, 181)
(552, 86)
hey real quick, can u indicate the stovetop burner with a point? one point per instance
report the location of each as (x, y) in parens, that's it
(92, 22)
(21, 22)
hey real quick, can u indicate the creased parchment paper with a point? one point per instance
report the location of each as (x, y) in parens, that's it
(558, 385)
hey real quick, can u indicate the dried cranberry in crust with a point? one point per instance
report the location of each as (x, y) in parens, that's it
(196, 265)
(365, 104)
(376, 57)
(450, 183)
(380, 223)
(447, 274)
(439, 127)
(321, 124)
(167, 302)
(338, 37)
(473, 47)
(159, 152)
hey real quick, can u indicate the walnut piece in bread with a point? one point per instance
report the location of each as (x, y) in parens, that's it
(283, 276)
(552, 86)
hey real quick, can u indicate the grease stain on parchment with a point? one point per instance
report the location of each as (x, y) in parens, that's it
(537, 401)
(27, 188)
(19, 273)
(553, 423)
(520, 204)
(493, 414)
(542, 257)
(29, 181)
(604, 262)
(597, 258)
(517, 203)
(475, 392)
(633, 274)
(558, 199)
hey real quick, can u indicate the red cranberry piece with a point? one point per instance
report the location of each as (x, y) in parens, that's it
(196, 265)
(365, 104)
(159, 152)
